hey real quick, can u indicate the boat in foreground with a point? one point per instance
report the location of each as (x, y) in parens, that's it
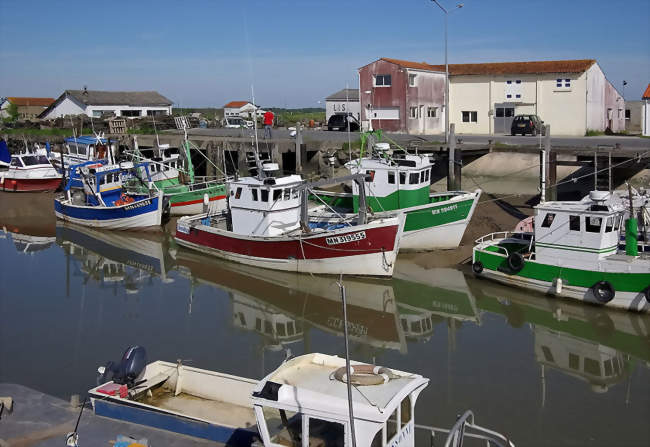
(574, 253)
(103, 204)
(266, 225)
(304, 401)
(400, 183)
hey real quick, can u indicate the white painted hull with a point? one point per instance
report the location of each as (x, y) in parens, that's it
(375, 264)
(216, 206)
(434, 238)
(622, 300)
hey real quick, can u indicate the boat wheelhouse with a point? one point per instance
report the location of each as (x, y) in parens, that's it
(573, 252)
(85, 148)
(103, 203)
(29, 171)
(400, 182)
(266, 225)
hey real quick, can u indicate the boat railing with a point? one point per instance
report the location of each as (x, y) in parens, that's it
(466, 428)
(493, 236)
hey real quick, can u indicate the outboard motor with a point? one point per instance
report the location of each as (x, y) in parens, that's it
(128, 371)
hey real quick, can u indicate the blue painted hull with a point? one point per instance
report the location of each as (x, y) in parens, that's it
(174, 423)
(144, 212)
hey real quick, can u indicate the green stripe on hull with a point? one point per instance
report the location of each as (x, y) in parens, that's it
(623, 282)
(439, 215)
(398, 200)
(187, 196)
(433, 299)
(165, 183)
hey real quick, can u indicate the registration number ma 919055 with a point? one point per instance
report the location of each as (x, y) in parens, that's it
(343, 239)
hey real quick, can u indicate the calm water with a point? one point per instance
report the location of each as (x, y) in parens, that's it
(546, 372)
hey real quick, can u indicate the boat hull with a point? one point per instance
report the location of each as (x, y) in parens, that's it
(141, 214)
(629, 287)
(172, 422)
(365, 250)
(29, 184)
(191, 202)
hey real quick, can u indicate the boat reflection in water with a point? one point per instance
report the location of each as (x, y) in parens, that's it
(110, 257)
(595, 345)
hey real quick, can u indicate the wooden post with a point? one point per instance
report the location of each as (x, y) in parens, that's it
(298, 148)
(451, 177)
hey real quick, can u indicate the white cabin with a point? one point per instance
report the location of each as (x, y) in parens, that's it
(265, 207)
(587, 230)
(302, 400)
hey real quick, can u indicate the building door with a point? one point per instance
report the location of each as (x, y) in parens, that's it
(504, 113)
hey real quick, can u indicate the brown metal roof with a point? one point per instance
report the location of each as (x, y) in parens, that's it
(105, 98)
(646, 94)
(235, 104)
(533, 67)
(20, 101)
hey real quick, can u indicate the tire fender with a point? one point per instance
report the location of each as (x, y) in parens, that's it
(477, 267)
(516, 262)
(603, 291)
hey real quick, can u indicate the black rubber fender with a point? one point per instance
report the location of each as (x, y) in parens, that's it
(516, 262)
(646, 294)
(603, 291)
(477, 267)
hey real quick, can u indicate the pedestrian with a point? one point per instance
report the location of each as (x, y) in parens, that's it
(268, 123)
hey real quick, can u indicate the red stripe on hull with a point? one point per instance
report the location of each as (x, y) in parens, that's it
(30, 185)
(192, 202)
(312, 247)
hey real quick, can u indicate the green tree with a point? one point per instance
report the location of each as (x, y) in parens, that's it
(12, 111)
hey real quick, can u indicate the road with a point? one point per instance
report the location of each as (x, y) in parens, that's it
(627, 143)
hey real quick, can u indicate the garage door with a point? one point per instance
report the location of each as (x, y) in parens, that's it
(504, 113)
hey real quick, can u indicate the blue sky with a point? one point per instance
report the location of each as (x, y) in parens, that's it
(205, 53)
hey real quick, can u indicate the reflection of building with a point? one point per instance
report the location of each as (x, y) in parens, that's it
(598, 365)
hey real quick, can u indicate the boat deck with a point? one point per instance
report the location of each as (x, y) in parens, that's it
(219, 412)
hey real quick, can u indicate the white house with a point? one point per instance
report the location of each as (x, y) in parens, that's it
(645, 112)
(94, 103)
(343, 102)
(243, 109)
(573, 96)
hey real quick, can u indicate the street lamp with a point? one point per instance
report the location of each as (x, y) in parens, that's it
(458, 6)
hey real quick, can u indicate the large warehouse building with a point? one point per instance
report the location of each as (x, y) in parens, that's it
(573, 96)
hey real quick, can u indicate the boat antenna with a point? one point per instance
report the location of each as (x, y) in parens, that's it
(347, 360)
(260, 173)
(347, 120)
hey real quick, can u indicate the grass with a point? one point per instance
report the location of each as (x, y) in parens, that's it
(594, 133)
(142, 130)
(43, 132)
(290, 117)
(355, 145)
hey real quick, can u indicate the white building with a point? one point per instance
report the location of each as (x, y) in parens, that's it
(645, 112)
(344, 101)
(95, 103)
(243, 109)
(572, 96)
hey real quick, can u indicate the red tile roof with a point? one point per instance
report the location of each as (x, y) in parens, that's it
(534, 67)
(44, 102)
(235, 104)
(646, 94)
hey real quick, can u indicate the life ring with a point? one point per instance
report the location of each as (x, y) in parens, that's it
(603, 291)
(364, 375)
(516, 262)
(126, 199)
(477, 267)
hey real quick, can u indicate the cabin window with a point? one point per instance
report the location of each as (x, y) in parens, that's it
(405, 326)
(290, 328)
(81, 150)
(391, 177)
(414, 178)
(617, 223)
(370, 174)
(548, 355)
(15, 162)
(377, 441)
(402, 178)
(242, 320)
(608, 367)
(254, 191)
(284, 426)
(592, 367)
(593, 224)
(268, 327)
(427, 176)
(238, 193)
(277, 194)
(280, 329)
(326, 433)
(405, 412)
(416, 326)
(287, 194)
(422, 177)
(574, 223)
(609, 224)
(265, 195)
(391, 426)
(548, 220)
(258, 325)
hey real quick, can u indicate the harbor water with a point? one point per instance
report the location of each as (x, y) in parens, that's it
(544, 371)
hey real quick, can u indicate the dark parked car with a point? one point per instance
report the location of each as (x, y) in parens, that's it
(340, 122)
(524, 124)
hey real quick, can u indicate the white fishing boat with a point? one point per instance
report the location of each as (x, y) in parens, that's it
(304, 401)
(28, 171)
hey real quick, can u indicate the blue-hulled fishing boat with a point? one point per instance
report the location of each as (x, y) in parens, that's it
(103, 203)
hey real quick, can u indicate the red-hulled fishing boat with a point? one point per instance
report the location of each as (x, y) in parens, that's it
(266, 225)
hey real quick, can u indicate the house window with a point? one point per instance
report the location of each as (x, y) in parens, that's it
(567, 83)
(574, 223)
(518, 81)
(432, 112)
(412, 80)
(391, 177)
(508, 96)
(508, 82)
(470, 117)
(627, 114)
(548, 220)
(517, 96)
(97, 113)
(155, 112)
(413, 112)
(382, 81)
(558, 82)
(130, 113)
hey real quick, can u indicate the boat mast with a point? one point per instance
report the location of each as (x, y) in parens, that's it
(347, 361)
(260, 173)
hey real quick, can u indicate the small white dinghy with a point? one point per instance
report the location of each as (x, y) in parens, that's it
(303, 402)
